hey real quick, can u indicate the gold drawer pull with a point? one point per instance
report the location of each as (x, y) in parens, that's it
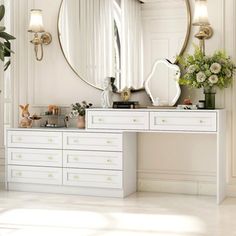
(109, 142)
(201, 121)
(50, 140)
(163, 121)
(76, 159)
(109, 179)
(50, 158)
(109, 161)
(50, 175)
(76, 177)
(100, 119)
(19, 156)
(135, 120)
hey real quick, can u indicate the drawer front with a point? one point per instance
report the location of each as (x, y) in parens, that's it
(35, 175)
(92, 178)
(183, 121)
(34, 157)
(92, 141)
(92, 160)
(34, 139)
(119, 120)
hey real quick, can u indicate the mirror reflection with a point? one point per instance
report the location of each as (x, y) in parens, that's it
(162, 84)
(121, 38)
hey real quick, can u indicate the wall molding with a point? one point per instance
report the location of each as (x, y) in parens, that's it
(175, 181)
(180, 187)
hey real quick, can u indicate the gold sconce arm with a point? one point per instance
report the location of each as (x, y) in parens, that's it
(205, 32)
(38, 42)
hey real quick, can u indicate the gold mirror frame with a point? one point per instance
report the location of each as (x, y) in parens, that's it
(189, 20)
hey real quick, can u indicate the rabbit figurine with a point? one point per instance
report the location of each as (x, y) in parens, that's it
(25, 121)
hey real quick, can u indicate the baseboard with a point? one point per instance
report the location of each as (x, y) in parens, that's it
(180, 187)
(62, 189)
(231, 190)
(2, 174)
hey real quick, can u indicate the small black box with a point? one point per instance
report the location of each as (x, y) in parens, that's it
(126, 105)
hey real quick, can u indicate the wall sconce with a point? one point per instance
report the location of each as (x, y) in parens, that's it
(40, 36)
(201, 19)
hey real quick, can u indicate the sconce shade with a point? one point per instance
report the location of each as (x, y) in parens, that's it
(36, 21)
(200, 13)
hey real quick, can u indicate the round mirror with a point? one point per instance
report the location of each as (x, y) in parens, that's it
(121, 38)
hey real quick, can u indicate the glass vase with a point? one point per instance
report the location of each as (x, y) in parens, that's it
(210, 93)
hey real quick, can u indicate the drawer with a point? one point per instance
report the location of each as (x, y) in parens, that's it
(119, 120)
(35, 175)
(183, 121)
(92, 160)
(92, 178)
(92, 141)
(34, 157)
(34, 139)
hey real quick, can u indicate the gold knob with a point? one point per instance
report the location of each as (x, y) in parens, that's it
(109, 178)
(108, 141)
(100, 119)
(49, 140)
(201, 121)
(135, 120)
(76, 159)
(19, 156)
(76, 177)
(19, 174)
(163, 121)
(109, 161)
(19, 139)
(50, 158)
(50, 175)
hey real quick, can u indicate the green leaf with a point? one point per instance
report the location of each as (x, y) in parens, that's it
(7, 64)
(2, 28)
(8, 49)
(2, 12)
(6, 36)
(5, 48)
(1, 54)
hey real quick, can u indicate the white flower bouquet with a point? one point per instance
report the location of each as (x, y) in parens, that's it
(207, 71)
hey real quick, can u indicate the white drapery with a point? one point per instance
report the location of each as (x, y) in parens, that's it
(89, 27)
(132, 44)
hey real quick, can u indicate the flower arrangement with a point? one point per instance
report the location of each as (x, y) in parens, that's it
(79, 109)
(207, 71)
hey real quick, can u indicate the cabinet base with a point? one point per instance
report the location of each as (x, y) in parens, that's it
(99, 192)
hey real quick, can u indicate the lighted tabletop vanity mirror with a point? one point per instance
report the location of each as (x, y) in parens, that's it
(121, 38)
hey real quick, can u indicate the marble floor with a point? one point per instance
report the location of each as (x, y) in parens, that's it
(141, 214)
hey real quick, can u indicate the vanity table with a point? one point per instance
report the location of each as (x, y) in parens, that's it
(101, 160)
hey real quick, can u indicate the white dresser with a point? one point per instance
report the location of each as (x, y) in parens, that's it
(76, 161)
(101, 160)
